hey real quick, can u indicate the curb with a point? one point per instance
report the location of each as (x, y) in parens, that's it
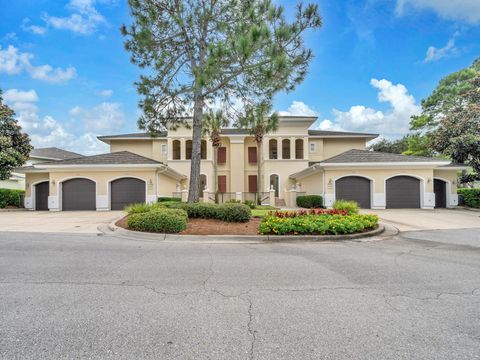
(116, 230)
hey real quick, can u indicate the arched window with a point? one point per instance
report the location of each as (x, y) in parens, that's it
(272, 149)
(188, 149)
(299, 149)
(203, 150)
(176, 150)
(285, 149)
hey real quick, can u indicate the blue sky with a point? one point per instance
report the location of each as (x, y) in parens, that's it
(65, 72)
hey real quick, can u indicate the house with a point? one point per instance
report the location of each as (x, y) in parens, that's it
(295, 160)
(37, 155)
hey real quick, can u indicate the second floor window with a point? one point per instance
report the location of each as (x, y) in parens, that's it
(285, 149)
(176, 149)
(313, 147)
(188, 149)
(272, 149)
(299, 149)
(163, 149)
(222, 155)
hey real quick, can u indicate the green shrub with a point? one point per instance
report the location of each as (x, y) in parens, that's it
(310, 201)
(202, 210)
(234, 212)
(471, 197)
(138, 208)
(10, 197)
(317, 224)
(169, 198)
(159, 221)
(233, 201)
(350, 206)
(250, 203)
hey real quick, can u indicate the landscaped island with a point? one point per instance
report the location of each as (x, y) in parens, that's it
(173, 216)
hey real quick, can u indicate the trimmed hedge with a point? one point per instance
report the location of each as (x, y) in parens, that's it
(351, 207)
(310, 201)
(471, 197)
(233, 212)
(10, 197)
(317, 224)
(168, 198)
(202, 210)
(159, 221)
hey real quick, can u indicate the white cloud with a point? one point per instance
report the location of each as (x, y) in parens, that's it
(47, 131)
(84, 19)
(35, 29)
(434, 54)
(465, 10)
(391, 123)
(101, 118)
(13, 62)
(104, 93)
(298, 108)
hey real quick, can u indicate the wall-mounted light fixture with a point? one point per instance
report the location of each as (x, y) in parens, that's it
(429, 180)
(150, 182)
(53, 182)
(330, 182)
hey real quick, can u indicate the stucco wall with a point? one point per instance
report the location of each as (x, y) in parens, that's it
(140, 147)
(450, 176)
(33, 178)
(332, 147)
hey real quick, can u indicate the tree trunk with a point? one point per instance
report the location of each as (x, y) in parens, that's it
(193, 191)
(215, 171)
(259, 173)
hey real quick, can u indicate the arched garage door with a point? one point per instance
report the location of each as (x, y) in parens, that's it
(354, 188)
(126, 191)
(440, 190)
(41, 196)
(403, 192)
(78, 194)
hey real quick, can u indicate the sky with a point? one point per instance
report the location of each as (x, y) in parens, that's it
(64, 70)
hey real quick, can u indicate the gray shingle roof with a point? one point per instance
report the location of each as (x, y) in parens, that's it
(338, 133)
(53, 153)
(366, 156)
(115, 158)
(140, 135)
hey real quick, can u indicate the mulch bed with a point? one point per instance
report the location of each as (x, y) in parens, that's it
(212, 227)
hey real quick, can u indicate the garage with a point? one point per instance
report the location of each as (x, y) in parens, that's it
(440, 190)
(354, 188)
(127, 191)
(41, 196)
(403, 192)
(78, 194)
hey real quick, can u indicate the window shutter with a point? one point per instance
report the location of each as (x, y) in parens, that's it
(222, 183)
(222, 155)
(252, 183)
(252, 155)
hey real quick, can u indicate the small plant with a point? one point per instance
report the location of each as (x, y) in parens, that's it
(168, 198)
(250, 203)
(351, 207)
(202, 210)
(160, 220)
(310, 201)
(233, 201)
(234, 212)
(138, 208)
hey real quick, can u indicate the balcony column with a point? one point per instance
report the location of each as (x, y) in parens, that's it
(266, 148)
(293, 148)
(279, 148)
(306, 149)
(209, 149)
(169, 149)
(183, 149)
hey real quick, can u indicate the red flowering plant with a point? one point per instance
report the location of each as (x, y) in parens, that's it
(304, 212)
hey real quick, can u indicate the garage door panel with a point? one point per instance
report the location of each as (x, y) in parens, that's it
(403, 192)
(440, 190)
(78, 194)
(41, 196)
(354, 188)
(126, 191)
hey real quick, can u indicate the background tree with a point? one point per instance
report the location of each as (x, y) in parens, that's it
(198, 51)
(391, 146)
(259, 121)
(14, 145)
(212, 126)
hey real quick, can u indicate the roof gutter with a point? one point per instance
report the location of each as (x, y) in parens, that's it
(385, 164)
(306, 172)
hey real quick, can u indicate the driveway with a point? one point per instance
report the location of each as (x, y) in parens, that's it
(56, 222)
(84, 296)
(416, 219)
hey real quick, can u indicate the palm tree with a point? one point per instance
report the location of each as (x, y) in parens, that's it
(212, 126)
(259, 121)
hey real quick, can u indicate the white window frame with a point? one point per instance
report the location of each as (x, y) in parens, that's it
(163, 149)
(312, 147)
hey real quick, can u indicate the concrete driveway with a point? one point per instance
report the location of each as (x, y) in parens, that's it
(56, 222)
(417, 219)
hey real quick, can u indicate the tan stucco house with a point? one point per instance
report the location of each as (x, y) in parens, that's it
(295, 160)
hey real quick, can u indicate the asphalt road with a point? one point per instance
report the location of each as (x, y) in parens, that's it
(78, 296)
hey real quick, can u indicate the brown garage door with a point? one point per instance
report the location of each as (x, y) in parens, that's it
(354, 188)
(403, 192)
(78, 194)
(41, 196)
(440, 190)
(126, 191)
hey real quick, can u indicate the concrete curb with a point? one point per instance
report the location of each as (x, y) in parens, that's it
(118, 231)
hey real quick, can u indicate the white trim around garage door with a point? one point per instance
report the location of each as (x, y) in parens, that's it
(55, 202)
(427, 200)
(30, 202)
(104, 202)
(372, 189)
(451, 199)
